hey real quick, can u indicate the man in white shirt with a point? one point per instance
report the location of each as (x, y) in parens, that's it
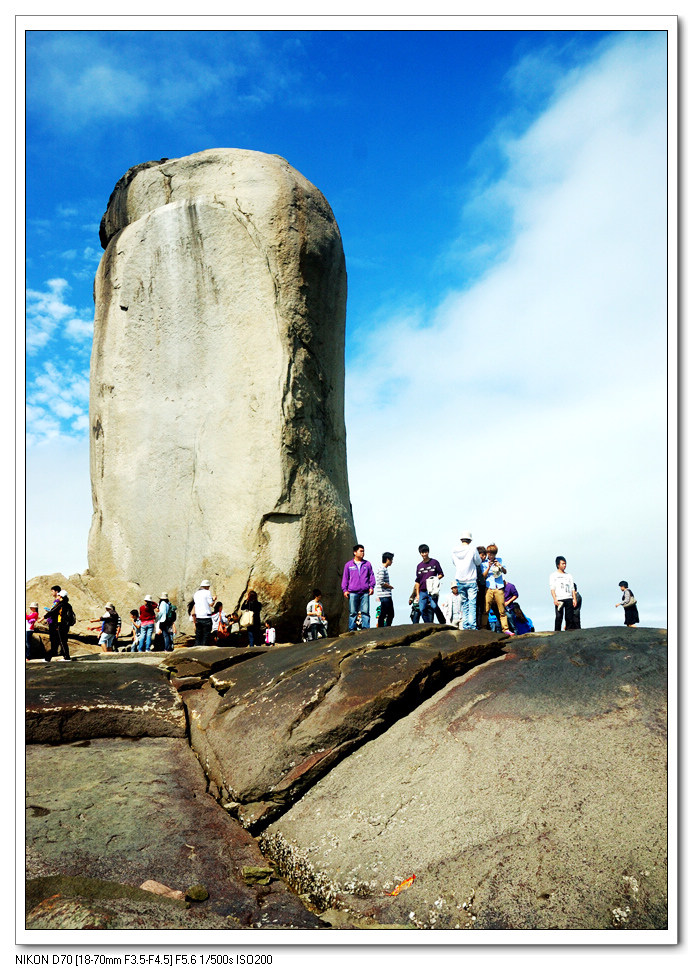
(202, 614)
(564, 595)
(466, 559)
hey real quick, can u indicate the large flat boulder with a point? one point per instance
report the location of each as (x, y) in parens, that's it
(128, 812)
(101, 697)
(288, 716)
(528, 793)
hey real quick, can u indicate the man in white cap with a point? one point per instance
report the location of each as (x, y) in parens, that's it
(466, 559)
(202, 614)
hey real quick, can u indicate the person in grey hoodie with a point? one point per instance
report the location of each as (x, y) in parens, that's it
(466, 559)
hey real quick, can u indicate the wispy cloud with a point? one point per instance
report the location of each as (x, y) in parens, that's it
(111, 76)
(476, 408)
(47, 312)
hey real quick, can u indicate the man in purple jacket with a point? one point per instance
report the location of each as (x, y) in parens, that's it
(358, 582)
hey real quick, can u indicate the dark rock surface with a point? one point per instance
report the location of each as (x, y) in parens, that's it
(100, 697)
(288, 716)
(202, 662)
(84, 904)
(127, 812)
(529, 793)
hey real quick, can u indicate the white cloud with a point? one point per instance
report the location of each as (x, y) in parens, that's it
(47, 312)
(74, 81)
(59, 392)
(44, 311)
(79, 329)
(531, 407)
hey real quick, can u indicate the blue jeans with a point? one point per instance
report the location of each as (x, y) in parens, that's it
(359, 602)
(145, 636)
(468, 591)
(168, 638)
(428, 605)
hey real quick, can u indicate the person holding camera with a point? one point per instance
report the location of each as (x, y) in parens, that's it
(493, 572)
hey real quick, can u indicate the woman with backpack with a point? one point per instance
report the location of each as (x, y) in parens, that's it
(165, 618)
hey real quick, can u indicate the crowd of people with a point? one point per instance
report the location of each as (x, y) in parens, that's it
(480, 597)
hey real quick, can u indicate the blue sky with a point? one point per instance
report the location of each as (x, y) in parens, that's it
(502, 201)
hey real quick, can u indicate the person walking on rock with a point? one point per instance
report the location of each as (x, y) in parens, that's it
(630, 605)
(467, 561)
(60, 617)
(203, 608)
(358, 583)
(563, 592)
(110, 627)
(383, 591)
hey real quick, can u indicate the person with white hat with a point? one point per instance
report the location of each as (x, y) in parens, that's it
(466, 559)
(60, 617)
(148, 620)
(110, 627)
(202, 614)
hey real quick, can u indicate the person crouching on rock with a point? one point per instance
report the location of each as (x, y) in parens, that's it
(136, 627)
(220, 630)
(147, 621)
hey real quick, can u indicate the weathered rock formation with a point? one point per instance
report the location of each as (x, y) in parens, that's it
(116, 797)
(522, 783)
(217, 387)
(299, 710)
(530, 793)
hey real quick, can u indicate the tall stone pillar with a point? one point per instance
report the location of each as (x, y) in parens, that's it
(218, 446)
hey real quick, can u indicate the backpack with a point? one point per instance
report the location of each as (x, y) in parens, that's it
(171, 614)
(70, 617)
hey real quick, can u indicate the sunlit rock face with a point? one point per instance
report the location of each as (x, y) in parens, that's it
(218, 445)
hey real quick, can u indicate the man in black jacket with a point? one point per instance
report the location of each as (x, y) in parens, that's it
(60, 618)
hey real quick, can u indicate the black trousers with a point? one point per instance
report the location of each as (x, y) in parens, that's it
(567, 605)
(203, 631)
(57, 634)
(387, 611)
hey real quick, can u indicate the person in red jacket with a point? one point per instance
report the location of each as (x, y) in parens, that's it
(147, 619)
